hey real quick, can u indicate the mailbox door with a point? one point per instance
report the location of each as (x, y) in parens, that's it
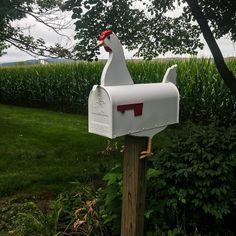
(100, 112)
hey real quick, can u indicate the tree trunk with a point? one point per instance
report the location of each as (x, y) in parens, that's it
(221, 66)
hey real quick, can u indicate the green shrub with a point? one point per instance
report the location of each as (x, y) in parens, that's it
(111, 200)
(190, 185)
(66, 87)
(198, 168)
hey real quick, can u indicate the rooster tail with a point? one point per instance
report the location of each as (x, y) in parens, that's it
(170, 75)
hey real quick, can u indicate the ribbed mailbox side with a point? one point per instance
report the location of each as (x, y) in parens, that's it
(146, 108)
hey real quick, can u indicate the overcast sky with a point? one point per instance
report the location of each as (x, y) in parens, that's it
(38, 30)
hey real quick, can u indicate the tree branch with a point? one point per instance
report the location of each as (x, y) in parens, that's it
(221, 66)
(37, 50)
(38, 18)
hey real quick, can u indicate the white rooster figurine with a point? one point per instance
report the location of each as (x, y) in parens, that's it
(115, 73)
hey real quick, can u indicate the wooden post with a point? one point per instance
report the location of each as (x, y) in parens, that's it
(134, 186)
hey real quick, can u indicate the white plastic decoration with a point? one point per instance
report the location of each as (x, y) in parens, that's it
(119, 107)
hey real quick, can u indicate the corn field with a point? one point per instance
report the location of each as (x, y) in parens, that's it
(65, 87)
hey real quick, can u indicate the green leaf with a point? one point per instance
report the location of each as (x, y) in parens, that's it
(152, 173)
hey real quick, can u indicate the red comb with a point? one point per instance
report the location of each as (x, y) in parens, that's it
(104, 34)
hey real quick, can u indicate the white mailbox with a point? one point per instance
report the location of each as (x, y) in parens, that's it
(119, 107)
(140, 109)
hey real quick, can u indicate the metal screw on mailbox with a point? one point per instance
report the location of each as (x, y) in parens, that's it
(118, 107)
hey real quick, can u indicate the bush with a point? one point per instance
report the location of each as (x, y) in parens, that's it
(111, 200)
(190, 185)
(198, 168)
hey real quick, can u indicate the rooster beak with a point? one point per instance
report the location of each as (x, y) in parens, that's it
(99, 43)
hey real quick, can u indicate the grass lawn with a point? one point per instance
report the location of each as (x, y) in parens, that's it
(44, 150)
(42, 153)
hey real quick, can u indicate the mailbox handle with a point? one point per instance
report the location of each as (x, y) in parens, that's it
(137, 107)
